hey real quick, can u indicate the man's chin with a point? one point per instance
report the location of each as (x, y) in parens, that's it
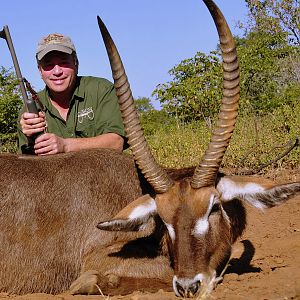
(58, 88)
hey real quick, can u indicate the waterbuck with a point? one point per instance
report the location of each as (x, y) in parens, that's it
(203, 213)
(180, 227)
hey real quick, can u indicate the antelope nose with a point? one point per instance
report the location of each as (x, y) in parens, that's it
(187, 290)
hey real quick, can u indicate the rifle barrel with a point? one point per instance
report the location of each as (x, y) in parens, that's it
(31, 106)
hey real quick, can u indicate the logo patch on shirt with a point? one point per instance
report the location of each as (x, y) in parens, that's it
(86, 113)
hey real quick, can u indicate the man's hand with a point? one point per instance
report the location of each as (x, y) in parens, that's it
(49, 143)
(32, 123)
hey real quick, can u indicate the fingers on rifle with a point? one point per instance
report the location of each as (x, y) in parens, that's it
(31, 131)
(28, 116)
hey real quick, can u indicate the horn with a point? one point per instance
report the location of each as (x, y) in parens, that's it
(154, 174)
(205, 174)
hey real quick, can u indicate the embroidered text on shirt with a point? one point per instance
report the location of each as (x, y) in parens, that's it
(86, 113)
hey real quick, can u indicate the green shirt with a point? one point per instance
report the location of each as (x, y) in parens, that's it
(94, 110)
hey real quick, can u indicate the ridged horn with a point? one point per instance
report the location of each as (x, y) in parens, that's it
(154, 174)
(205, 174)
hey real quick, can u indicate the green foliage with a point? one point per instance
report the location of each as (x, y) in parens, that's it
(143, 105)
(151, 119)
(259, 140)
(274, 17)
(256, 141)
(269, 55)
(182, 146)
(10, 103)
(265, 68)
(195, 91)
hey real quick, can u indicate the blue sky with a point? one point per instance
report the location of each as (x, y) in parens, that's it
(152, 36)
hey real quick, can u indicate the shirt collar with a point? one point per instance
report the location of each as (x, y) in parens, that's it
(79, 91)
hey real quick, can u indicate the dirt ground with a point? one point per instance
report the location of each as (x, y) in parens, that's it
(265, 262)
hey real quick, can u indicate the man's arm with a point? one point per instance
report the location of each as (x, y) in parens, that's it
(50, 143)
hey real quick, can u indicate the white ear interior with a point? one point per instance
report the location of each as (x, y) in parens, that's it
(143, 210)
(256, 191)
(230, 189)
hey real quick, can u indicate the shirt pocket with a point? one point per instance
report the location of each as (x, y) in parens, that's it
(86, 129)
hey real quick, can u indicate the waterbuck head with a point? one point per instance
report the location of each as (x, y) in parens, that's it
(203, 214)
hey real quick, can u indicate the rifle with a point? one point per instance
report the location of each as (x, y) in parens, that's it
(32, 103)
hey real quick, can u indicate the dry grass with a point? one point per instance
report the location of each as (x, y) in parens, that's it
(255, 141)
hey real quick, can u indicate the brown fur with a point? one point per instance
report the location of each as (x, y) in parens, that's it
(49, 209)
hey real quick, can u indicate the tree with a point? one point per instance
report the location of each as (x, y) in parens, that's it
(261, 55)
(143, 105)
(10, 104)
(275, 16)
(151, 119)
(269, 55)
(195, 91)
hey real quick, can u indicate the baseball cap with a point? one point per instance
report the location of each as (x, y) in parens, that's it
(54, 42)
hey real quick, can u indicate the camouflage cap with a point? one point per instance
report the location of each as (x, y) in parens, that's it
(54, 42)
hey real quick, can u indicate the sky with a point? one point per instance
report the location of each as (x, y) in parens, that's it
(152, 36)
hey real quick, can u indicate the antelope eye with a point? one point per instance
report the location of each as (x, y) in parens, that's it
(215, 208)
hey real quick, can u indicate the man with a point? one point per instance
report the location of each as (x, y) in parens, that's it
(80, 112)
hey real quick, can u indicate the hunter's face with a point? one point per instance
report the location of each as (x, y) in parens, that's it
(58, 70)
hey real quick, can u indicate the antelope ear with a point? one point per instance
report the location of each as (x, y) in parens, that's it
(133, 216)
(259, 192)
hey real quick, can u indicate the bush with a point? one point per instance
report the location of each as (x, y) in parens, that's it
(256, 141)
(179, 146)
(10, 103)
(259, 140)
